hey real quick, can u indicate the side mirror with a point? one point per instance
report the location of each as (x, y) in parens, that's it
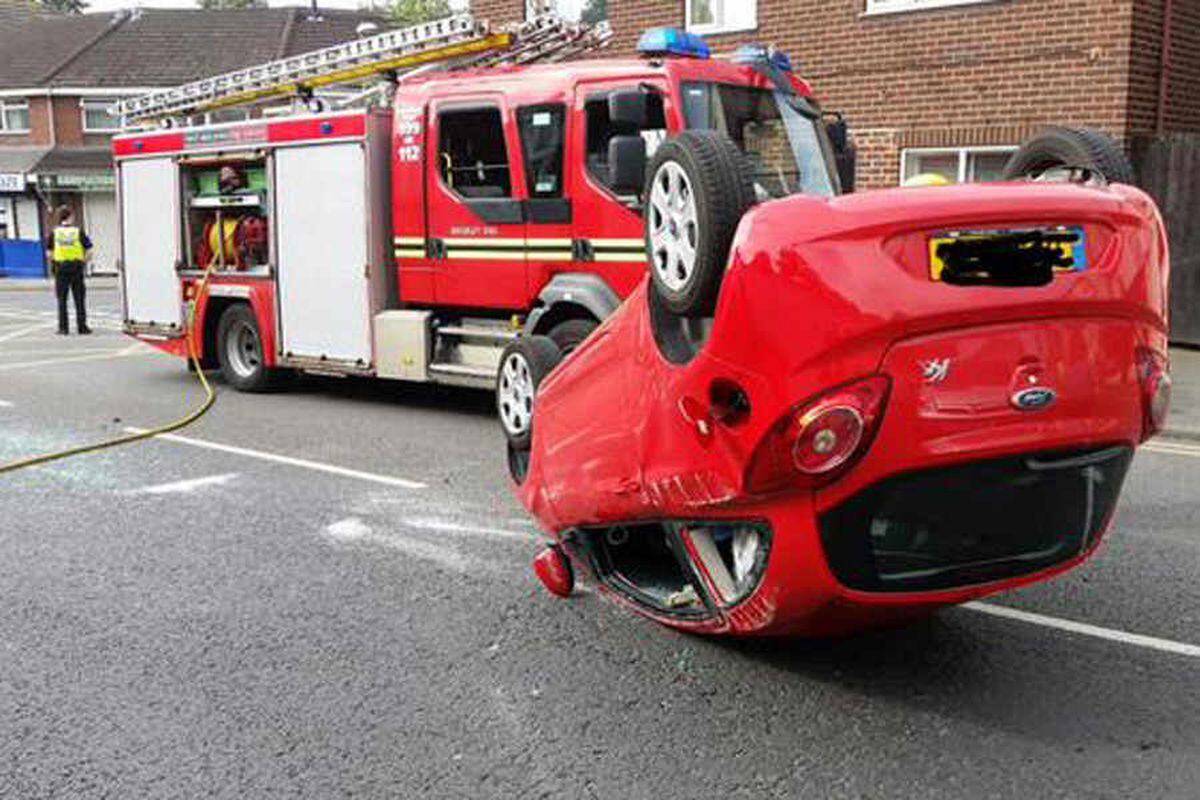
(844, 154)
(626, 164)
(839, 133)
(628, 108)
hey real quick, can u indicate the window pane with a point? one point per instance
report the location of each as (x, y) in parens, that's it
(97, 118)
(944, 164)
(471, 153)
(601, 129)
(16, 118)
(704, 12)
(986, 166)
(542, 141)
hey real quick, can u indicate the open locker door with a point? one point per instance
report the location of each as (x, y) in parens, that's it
(324, 292)
(150, 244)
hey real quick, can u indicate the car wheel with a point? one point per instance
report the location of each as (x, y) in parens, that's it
(699, 185)
(570, 333)
(523, 366)
(240, 352)
(1080, 155)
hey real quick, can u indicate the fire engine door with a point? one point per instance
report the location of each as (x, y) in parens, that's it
(607, 226)
(321, 212)
(543, 131)
(476, 230)
(150, 241)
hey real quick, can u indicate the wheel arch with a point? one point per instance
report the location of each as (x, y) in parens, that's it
(572, 295)
(215, 307)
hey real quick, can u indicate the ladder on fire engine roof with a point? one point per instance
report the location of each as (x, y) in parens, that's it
(454, 42)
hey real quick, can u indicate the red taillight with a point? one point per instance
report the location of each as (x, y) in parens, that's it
(819, 439)
(1156, 391)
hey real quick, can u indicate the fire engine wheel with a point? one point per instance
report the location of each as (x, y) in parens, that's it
(570, 333)
(700, 186)
(523, 366)
(1076, 155)
(240, 352)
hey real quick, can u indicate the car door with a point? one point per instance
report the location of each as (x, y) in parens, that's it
(475, 221)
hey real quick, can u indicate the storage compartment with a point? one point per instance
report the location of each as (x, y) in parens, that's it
(228, 218)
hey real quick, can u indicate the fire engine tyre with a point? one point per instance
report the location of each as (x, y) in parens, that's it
(698, 187)
(1077, 154)
(570, 333)
(240, 352)
(523, 366)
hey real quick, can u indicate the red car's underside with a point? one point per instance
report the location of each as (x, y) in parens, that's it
(961, 489)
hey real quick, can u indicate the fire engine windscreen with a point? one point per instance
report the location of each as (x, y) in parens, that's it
(786, 146)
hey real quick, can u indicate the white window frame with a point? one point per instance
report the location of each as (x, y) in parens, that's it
(750, 23)
(15, 105)
(98, 104)
(878, 7)
(963, 154)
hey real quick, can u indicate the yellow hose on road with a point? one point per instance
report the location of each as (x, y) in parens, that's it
(209, 398)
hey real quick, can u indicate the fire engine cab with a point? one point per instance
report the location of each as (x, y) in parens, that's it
(493, 197)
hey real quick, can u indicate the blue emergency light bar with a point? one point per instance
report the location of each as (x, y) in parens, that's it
(672, 42)
(757, 53)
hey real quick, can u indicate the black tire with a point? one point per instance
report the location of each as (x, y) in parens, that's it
(722, 185)
(240, 352)
(570, 333)
(1090, 151)
(524, 364)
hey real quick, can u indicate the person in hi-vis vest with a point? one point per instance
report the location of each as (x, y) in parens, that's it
(69, 247)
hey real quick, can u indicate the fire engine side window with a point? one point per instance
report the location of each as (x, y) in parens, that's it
(471, 152)
(600, 128)
(542, 139)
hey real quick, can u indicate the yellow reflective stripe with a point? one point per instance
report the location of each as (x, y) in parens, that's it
(550, 242)
(609, 244)
(629, 257)
(402, 240)
(410, 252)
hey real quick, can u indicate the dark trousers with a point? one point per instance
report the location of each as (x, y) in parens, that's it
(68, 277)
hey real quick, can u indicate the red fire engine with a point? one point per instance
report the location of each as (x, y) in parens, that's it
(494, 197)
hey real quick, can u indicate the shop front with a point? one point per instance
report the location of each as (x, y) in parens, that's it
(85, 183)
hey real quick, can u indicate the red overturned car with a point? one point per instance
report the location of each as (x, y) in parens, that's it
(821, 413)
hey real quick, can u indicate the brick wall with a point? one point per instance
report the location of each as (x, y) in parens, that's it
(498, 11)
(1182, 109)
(985, 74)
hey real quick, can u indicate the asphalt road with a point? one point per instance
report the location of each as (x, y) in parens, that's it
(342, 605)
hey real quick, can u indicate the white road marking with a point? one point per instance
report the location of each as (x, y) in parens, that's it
(303, 463)
(1173, 448)
(135, 349)
(446, 526)
(354, 531)
(19, 332)
(187, 486)
(1083, 629)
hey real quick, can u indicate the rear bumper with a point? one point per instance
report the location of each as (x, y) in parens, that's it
(914, 543)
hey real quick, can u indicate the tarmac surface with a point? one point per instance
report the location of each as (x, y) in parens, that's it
(327, 592)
